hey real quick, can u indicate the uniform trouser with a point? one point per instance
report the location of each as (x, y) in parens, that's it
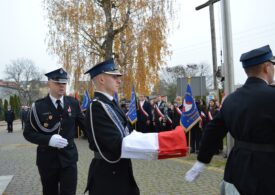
(59, 181)
(10, 127)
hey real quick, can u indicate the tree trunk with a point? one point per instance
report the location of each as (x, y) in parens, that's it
(109, 40)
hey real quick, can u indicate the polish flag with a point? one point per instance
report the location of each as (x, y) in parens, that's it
(153, 146)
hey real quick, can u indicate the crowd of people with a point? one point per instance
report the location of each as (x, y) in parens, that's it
(156, 114)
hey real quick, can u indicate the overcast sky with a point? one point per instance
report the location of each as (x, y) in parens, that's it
(23, 32)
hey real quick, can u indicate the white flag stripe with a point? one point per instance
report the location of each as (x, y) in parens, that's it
(137, 141)
(139, 155)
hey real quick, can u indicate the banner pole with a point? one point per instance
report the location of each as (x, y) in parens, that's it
(189, 141)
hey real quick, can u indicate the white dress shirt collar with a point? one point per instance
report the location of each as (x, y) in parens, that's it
(54, 101)
(107, 95)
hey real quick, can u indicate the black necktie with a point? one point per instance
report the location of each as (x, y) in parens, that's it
(59, 107)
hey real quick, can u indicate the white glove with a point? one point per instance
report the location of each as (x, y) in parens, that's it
(194, 172)
(58, 141)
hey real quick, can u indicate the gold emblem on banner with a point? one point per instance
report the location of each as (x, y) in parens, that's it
(46, 124)
(50, 117)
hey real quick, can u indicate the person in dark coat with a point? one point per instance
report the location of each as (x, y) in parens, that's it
(24, 115)
(107, 125)
(9, 118)
(213, 110)
(144, 115)
(248, 114)
(160, 114)
(51, 125)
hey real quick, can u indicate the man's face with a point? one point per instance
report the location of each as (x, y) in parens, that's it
(159, 98)
(111, 83)
(57, 90)
(141, 97)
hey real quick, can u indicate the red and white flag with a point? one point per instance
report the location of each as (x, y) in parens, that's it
(153, 146)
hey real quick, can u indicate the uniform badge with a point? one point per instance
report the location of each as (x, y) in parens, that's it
(50, 117)
(69, 111)
(46, 124)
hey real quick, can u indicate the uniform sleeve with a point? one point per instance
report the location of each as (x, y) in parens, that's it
(107, 135)
(214, 131)
(32, 135)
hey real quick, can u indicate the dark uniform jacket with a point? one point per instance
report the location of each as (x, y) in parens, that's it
(9, 116)
(48, 116)
(160, 123)
(249, 115)
(108, 178)
(24, 115)
(142, 125)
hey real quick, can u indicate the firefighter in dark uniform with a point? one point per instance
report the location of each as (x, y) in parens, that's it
(248, 114)
(144, 115)
(107, 126)
(160, 115)
(51, 125)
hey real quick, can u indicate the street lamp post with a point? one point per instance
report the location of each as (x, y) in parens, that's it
(228, 57)
(210, 3)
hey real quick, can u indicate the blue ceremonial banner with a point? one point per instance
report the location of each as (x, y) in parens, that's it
(116, 97)
(86, 101)
(132, 113)
(190, 114)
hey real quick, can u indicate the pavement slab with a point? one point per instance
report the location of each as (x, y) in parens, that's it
(159, 177)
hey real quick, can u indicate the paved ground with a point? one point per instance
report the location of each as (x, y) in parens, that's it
(165, 177)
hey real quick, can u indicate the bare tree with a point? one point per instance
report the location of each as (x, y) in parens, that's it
(26, 77)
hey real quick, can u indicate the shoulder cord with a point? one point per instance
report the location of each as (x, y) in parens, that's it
(33, 110)
(115, 119)
(92, 128)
